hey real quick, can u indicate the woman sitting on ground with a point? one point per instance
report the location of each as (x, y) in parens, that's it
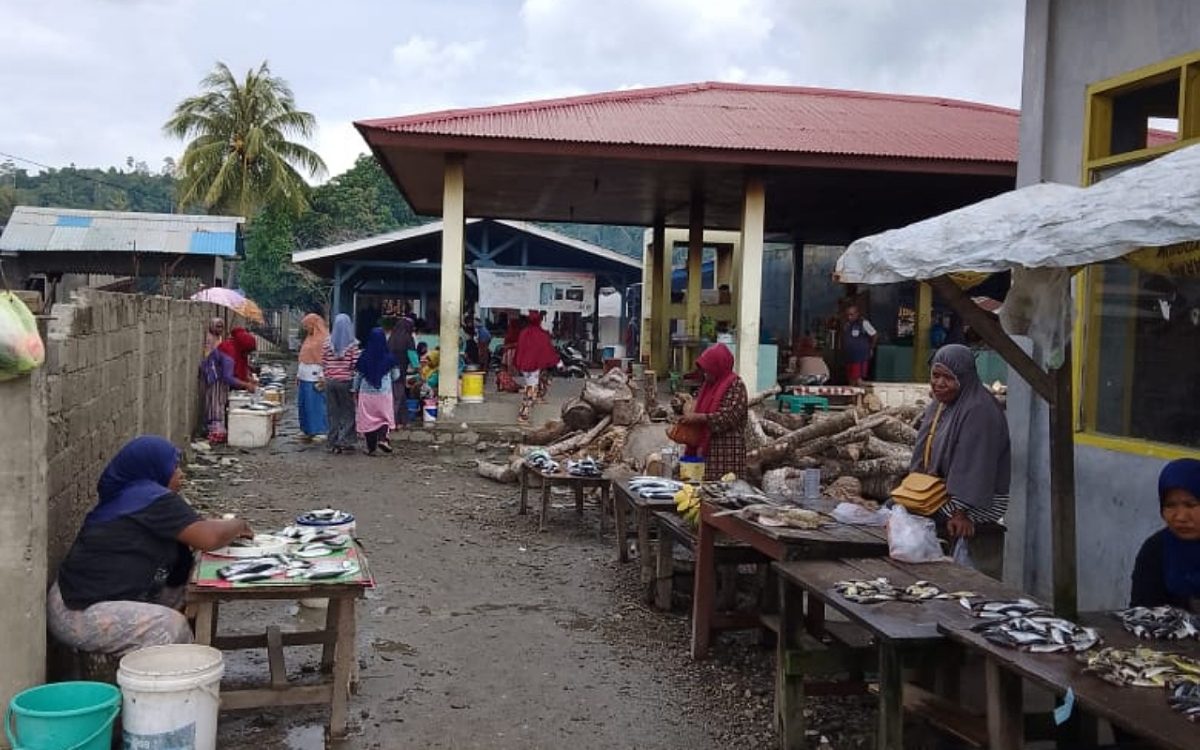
(121, 585)
(1167, 570)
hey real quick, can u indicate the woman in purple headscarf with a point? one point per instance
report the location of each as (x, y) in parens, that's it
(120, 587)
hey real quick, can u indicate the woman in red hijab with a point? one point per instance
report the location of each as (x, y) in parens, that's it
(535, 353)
(238, 346)
(720, 409)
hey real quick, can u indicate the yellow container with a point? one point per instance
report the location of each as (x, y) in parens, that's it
(691, 470)
(472, 387)
(273, 397)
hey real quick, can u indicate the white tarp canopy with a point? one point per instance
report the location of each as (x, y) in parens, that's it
(1041, 226)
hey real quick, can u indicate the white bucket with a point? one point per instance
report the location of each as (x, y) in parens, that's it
(170, 697)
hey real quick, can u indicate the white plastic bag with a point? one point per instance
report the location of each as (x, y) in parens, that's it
(855, 514)
(912, 538)
(962, 554)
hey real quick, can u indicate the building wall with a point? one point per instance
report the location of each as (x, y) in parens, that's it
(1068, 45)
(117, 365)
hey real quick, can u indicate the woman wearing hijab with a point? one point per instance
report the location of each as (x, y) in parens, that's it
(535, 353)
(721, 411)
(214, 335)
(238, 347)
(310, 397)
(217, 377)
(121, 585)
(967, 436)
(338, 360)
(373, 378)
(1167, 570)
(404, 350)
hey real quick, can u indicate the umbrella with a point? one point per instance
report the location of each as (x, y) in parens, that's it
(234, 300)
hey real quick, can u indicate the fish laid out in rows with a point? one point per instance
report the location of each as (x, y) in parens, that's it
(1000, 609)
(1159, 623)
(1185, 698)
(655, 488)
(585, 467)
(882, 590)
(1039, 634)
(541, 461)
(264, 568)
(774, 515)
(1141, 667)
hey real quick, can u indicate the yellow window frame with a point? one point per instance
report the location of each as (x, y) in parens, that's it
(1097, 156)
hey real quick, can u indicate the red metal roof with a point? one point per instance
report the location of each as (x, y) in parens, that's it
(742, 117)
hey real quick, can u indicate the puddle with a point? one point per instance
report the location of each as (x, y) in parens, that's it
(306, 738)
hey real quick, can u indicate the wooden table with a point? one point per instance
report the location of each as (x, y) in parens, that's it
(899, 631)
(577, 484)
(624, 500)
(337, 641)
(779, 544)
(672, 531)
(1140, 711)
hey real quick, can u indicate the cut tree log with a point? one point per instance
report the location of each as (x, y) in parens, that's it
(758, 398)
(877, 448)
(496, 472)
(602, 394)
(578, 414)
(894, 430)
(783, 447)
(871, 467)
(580, 440)
(546, 434)
(627, 411)
(850, 451)
(790, 422)
(616, 449)
(773, 429)
(757, 434)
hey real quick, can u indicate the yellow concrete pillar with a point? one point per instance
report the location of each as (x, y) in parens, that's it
(922, 324)
(646, 324)
(695, 272)
(453, 251)
(749, 270)
(660, 347)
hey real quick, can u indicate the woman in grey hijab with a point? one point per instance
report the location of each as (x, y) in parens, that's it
(970, 448)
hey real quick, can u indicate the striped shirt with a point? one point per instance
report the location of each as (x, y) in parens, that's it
(994, 513)
(339, 368)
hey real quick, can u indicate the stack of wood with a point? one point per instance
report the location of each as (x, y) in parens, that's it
(873, 448)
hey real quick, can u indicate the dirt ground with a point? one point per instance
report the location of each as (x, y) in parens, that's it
(482, 632)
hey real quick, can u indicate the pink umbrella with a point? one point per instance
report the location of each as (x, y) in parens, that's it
(235, 301)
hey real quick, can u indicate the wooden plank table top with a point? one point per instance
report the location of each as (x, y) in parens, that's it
(897, 621)
(1141, 711)
(337, 638)
(834, 541)
(561, 477)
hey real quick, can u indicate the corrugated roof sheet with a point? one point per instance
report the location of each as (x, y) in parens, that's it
(743, 117)
(36, 229)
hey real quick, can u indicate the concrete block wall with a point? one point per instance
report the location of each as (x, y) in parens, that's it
(117, 365)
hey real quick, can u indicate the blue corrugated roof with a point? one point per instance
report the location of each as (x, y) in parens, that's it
(35, 229)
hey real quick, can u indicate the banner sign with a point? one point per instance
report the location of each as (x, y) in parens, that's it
(552, 291)
(1181, 260)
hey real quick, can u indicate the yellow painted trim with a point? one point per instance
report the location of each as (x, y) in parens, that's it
(1142, 154)
(1079, 336)
(1134, 446)
(1189, 103)
(1142, 76)
(923, 322)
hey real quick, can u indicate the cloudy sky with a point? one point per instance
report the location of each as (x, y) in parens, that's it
(90, 82)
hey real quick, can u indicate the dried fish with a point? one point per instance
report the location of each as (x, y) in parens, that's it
(1185, 698)
(1000, 609)
(585, 467)
(1165, 623)
(1038, 634)
(259, 568)
(882, 590)
(774, 515)
(1142, 667)
(540, 460)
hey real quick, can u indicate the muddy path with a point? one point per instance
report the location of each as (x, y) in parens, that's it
(482, 632)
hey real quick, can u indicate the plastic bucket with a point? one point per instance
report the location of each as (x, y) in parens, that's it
(429, 412)
(413, 405)
(472, 387)
(172, 694)
(63, 716)
(691, 469)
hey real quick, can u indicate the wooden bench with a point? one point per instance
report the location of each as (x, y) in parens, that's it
(904, 634)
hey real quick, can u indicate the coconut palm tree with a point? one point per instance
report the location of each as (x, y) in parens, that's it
(241, 157)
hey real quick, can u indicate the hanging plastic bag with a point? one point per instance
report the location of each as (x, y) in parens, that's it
(962, 554)
(912, 538)
(21, 349)
(853, 513)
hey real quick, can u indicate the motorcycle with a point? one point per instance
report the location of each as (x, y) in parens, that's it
(574, 364)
